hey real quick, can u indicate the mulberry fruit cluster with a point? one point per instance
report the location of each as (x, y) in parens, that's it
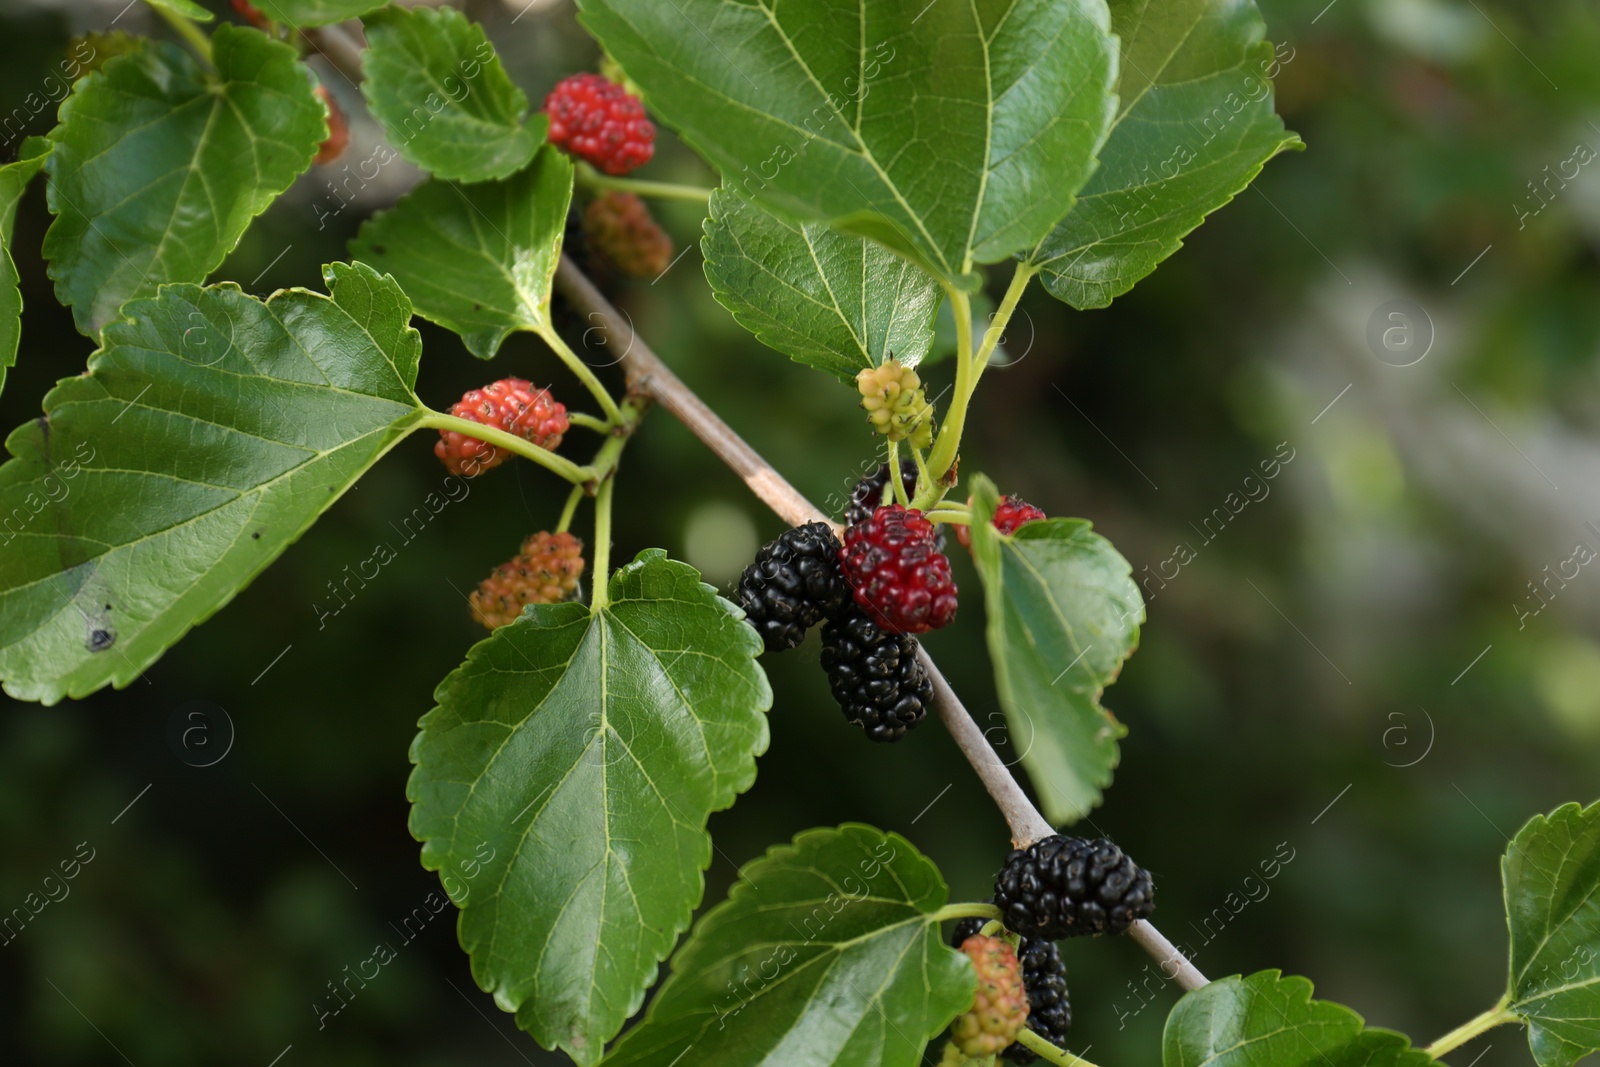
(899, 576)
(895, 404)
(1001, 1005)
(546, 571)
(1069, 886)
(598, 120)
(620, 227)
(806, 576)
(1044, 977)
(511, 404)
(1058, 887)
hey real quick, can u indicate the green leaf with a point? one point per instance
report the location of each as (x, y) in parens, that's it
(477, 259)
(159, 166)
(1195, 125)
(95, 49)
(187, 8)
(955, 134)
(830, 300)
(14, 179)
(588, 751)
(1267, 1020)
(826, 952)
(435, 83)
(210, 432)
(303, 14)
(1063, 615)
(1551, 872)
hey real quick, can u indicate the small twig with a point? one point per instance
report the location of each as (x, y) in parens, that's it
(337, 47)
(648, 375)
(1027, 825)
(1174, 964)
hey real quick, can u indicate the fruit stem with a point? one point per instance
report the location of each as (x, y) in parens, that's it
(605, 461)
(602, 546)
(581, 370)
(948, 444)
(589, 422)
(559, 465)
(1048, 1052)
(895, 481)
(958, 516)
(1495, 1016)
(1002, 317)
(660, 190)
(651, 379)
(973, 910)
(923, 477)
(191, 33)
(570, 508)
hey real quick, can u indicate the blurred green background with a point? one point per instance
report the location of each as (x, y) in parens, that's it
(1351, 673)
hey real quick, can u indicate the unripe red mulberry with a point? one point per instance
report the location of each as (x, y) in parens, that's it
(250, 13)
(338, 129)
(511, 404)
(620, 226)
(1012, 513)
(546, 571)
(598, 120)
(1001, 1005)
(897, 573)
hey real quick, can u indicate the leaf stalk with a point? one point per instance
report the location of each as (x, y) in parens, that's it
(192, 34)
(966, 910)
(948, 444)
(581, 371)
(1002, 317)
(659, 190)
(558, 465)
(570, 508)
(602, 547)
(1498, 1015)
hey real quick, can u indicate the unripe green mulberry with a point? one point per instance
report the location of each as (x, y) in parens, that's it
(1001, 1006)
(895, 405)
(954, 1057)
